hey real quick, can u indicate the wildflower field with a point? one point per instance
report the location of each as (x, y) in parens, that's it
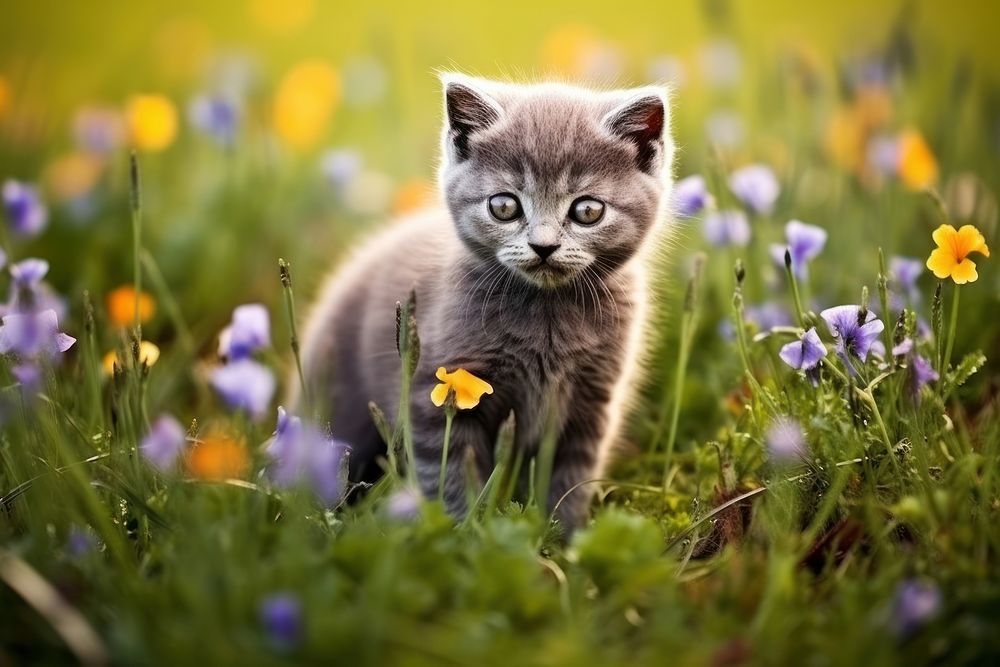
(811, 468)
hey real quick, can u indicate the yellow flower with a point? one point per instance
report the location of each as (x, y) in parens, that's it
(216, 457)
(917, 167)
(467, 387)
(149, 354)
(412, 195)
(121, 306)
(951, 258)
(304, 102)
(152, 122)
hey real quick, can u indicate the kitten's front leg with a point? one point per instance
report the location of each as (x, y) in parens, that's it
(578, 451)
(468, 437)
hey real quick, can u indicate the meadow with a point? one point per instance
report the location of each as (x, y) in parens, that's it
(811, 468)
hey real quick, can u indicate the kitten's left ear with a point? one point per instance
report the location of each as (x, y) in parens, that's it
(469, 109)
(642, 119)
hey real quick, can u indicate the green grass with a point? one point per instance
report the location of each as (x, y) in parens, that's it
(702, 548)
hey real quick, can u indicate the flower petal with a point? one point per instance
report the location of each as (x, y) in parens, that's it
(971, 240)
(964, 272)
(439, 394)
(942, 235)
(941, 262)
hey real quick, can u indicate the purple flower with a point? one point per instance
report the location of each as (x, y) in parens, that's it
(341, 166)
(921, 373)
(904, 273)
(756, 186)
(28, 294)
(216, 116)
(31, 335)
(804, 354)
(25, 211)
(805, 242)
(98, 129)
(302, 454)
(768, 315)
(690, 196)
(916, 603)
(29, 376)
(281, 616)
(883, 154)
(245, 384)
(80, 541)
(29, 272)
(164, 443)
(726, 228)
(404, 504)
(855, 333)
(785, 440)
(249, 331)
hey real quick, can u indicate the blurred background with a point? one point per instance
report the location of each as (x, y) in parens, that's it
(272, 128)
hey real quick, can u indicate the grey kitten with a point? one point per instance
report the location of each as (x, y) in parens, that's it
(532, 280)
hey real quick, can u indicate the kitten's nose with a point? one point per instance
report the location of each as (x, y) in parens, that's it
(544, 251)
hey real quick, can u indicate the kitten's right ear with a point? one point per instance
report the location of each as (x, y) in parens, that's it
(469, 111)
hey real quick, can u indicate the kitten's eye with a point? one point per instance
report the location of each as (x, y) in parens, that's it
(586, 211)
(504, 207)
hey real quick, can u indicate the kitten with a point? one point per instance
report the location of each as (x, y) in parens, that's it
(532, 280)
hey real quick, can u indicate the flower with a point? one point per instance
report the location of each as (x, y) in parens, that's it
(467, 387)
(404, 504)
(216, 116)
(33, 335)
(245, 384)
(4, 96)
(916, 603)
(304, 102)
(340, 166)
(690, 196)
(28, 375)
(768, 315)
(855, 331)
(80, 541)
(726, 228)
(149, 354)
(281, 616)
(28, 294)
(71, 177)
(904, 272)
(916, 167)
(921, 373)
(164, 443)
(98, 130)
(805, 242)
(301, 453)
(152, 122)
(218, 456)
(121, 303)
(785, 440)
(25, 210)
(756, 186)
(951, 258)
(804, 354)
(249, 331)
(412, 195)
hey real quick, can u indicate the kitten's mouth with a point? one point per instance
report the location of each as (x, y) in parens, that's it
(545, 274)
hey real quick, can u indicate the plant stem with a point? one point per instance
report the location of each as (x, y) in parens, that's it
(449, 416)
(683, 352)
(867, 397)
(952, 328)
(136, 205)
(284, 270)
(796, 297)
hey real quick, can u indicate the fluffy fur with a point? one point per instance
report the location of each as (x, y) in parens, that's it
(556, 335)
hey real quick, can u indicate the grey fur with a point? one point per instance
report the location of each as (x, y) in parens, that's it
(563, 339)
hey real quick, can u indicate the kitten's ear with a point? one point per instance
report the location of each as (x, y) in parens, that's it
(469, 111)
(642, 120)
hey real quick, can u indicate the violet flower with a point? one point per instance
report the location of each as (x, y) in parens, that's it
(99, 130)
(785, 440)
(756, 186)
(28, 294)
(804, 354)
(215, 116)
(80, 541)
(245, 384)
(854, 332)
(341, 166)
(904, 273)
(404, 504)
(690, 196)
(249, 331)
(301, 454)
(281, 616)
(916, 603)
(33, 335)
(25, 210)
(164, 443)
(28, 375)
(727, 228)
(805, 242)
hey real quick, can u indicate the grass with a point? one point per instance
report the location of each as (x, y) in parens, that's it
(704, 547)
